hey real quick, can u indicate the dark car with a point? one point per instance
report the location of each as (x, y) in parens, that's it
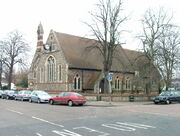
(70, 98)
(167, 97)
(9, 94)
(1, 92)
(23, 95)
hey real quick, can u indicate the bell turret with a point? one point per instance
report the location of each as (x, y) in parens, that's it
(40, 33)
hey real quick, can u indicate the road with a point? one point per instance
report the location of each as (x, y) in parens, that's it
(94, 119)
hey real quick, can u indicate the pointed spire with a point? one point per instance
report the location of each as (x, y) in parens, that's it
(40, 29)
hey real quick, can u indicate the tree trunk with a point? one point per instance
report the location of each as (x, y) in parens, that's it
(10, 75)
(9, 80)
(106, 82)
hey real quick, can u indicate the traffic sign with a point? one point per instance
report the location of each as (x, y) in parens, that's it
(109, 77)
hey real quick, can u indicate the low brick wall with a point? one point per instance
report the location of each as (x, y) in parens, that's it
(114, 97)
(119, 98)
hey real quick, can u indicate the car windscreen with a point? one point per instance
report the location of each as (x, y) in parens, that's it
(27, 92)
(43, 94)
(61, 95)
(77, 94)
(11, 92)
(165, 94)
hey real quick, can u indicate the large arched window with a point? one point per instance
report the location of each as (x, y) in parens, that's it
(51, 69)
(59, 72)
(41, 75)
(128, 84)
(77, 82)
(117, 83)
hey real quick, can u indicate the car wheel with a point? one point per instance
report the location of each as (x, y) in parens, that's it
(38, 101)
(155, 102)
(30, 100)
(168, 102)
(70, 103)
(51, 102)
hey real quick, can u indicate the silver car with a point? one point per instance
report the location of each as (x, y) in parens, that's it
(23, 95)
(39, 96)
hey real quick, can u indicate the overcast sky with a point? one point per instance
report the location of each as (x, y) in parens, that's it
(66, 16)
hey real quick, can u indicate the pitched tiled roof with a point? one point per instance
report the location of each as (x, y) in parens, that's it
(79, 55)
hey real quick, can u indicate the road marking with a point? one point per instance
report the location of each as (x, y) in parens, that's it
(38, 134)
(118, 127)
(47, 121)
(136, 125)
(15, 111)
(66, 133)
(93, 131)
(127, 126)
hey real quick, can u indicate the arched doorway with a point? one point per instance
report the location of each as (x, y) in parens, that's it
(101, 86)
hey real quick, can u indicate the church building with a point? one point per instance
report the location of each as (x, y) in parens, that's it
(66, 63)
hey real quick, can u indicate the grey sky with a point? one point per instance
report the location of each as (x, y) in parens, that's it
(67, 15)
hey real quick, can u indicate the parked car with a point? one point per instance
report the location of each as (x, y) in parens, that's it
(70, 98)
(167, 97)
(39, 96)
(23, 95)
(1, 92)
(9, 94)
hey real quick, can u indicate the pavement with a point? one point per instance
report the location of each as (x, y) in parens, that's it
(111, 104)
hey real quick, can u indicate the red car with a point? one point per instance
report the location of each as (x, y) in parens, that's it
(70, 98)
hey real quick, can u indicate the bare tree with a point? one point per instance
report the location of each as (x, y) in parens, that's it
(15, 48)
(153, 25)
(168, 53)
(1, 63)
(1, 66)
(106, 29)
(160, 42)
